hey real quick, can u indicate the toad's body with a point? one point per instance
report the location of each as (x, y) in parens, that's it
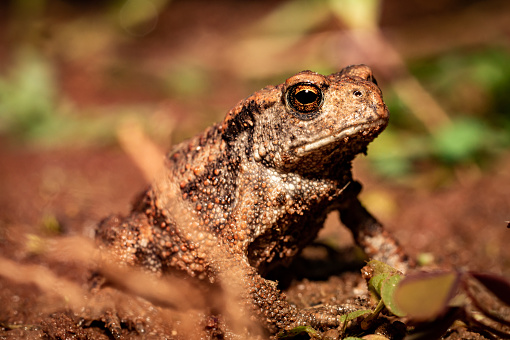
(259, 185)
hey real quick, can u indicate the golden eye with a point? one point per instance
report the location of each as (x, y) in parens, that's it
(304, 98)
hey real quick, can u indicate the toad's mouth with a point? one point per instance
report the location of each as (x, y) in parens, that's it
(350, 131)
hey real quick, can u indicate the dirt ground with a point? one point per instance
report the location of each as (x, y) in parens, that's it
(57, 193)
(461, 226)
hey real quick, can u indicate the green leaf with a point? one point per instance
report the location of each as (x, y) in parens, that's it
(381, 268)
(297, 331)
(425, 296)
(375, 284)
(388, 294)
(381, 272)
(353, 315)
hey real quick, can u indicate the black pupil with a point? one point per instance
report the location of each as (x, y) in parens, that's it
(306, 97)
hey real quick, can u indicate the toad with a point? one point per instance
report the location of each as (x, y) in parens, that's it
(252, 191)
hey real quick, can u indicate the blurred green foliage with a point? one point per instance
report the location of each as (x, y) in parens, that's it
(474, 81)
(27, 97)
(474, 88)
(30, 108)
(32, 111)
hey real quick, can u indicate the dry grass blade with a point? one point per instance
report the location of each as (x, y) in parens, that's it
(168, 291)
(45, 280)
(146, 155)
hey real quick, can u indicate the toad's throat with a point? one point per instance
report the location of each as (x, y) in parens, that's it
(354, 130)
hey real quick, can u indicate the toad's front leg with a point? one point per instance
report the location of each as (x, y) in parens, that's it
(273, 310)
(369, 234)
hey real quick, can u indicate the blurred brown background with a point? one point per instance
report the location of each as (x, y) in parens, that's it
(74, 73)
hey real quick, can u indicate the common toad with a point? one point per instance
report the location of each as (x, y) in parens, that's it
(257, 187)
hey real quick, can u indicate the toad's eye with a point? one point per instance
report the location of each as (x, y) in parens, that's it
(304, 98)
(357, 93)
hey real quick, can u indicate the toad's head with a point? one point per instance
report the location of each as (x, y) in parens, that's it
(311, 123)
